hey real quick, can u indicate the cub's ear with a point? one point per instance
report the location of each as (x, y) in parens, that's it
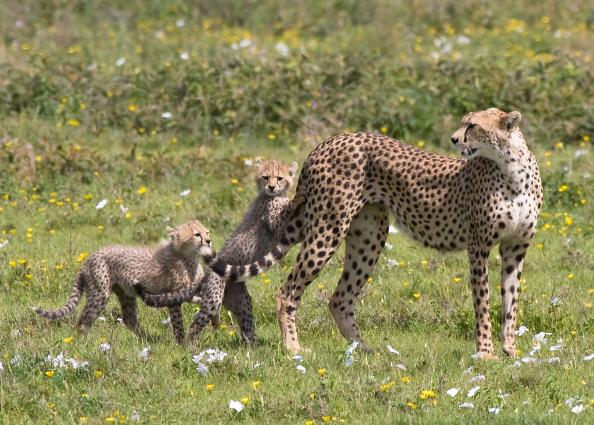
(172, 233)
(512, 120)
(293, 168)
(257, 161)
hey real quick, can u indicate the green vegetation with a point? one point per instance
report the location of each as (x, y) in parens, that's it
(135, 102)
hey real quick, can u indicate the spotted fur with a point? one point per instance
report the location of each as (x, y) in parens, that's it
(261, 228)
(352, 181)
(170, 266)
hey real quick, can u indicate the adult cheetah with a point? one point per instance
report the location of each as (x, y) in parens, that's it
(352, 181)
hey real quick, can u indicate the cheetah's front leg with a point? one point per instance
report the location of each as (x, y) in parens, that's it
(512, 259)
(480, 294)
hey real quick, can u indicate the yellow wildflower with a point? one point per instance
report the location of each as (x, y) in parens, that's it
(563, 188)
(210, 387)
(132, 107)
(141, 190)
(245, 400)
(386, 387)
(411, 405)
(256, 385)
(384, 130)
(425, 394)
(309, 422)
(326, 419)
(49, 373)
(322, 371)
(98, 374)
(68, 340)
(570, 276)
(405, 379)
(73, 122)
(416, 295)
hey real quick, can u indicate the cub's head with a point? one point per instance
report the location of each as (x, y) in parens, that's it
(189, 237)
(275, 178)
(493, 134)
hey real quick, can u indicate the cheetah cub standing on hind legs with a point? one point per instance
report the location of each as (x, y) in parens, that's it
(261, 230)
(352, 181)
(172, 265)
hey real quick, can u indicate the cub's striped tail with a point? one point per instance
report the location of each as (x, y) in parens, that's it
(68, 308)
(168, 299)
(232, 272)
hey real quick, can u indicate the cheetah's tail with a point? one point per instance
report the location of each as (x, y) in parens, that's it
(168, 299)
(68, 308)
(238, 272)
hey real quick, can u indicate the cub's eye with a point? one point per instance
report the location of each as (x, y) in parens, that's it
(470, 126)
(198, 235)
(265, 177)
(279, 178)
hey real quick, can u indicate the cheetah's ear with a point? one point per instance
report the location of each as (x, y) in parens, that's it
(257, 161)
(172, 233)
(512, 120)
(293, 168)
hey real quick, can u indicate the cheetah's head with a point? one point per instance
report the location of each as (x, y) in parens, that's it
(492, 134)
(274, 177)
(189, 237)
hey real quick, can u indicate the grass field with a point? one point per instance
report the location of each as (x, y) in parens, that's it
(139, 103)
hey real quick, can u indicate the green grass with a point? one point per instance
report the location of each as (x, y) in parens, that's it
(77, 129)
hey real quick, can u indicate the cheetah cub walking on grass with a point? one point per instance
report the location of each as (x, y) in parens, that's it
(170, 266)
(353, 181)
(261, 230)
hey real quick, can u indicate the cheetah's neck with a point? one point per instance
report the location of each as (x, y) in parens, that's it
(515, 163)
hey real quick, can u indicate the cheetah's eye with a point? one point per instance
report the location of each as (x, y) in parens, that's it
(279, 178)
(198, 235)
(470, 126)
(265, 177)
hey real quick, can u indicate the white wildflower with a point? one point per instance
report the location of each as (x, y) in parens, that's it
(236, 405)
(541, 337)
(298, 358)
(553, 360)
(4, 243)
(555, 301)
(391, 350)
(15, 333)
(301, 369)
(282, 48)
(120, 62)
(167, 115)
(1, 367)
(462, 39)
(477, 378)
(466, 406)
(521, 330)
(166, 321)
(494, 410)
(144, 353)
(184, 193)
(390, 262)
(589, 357)
(105, 347)
(400, 366)
(101, 204)
(184, 56)
(453, 392)
(135, 416)
(201, 368)
(16, 360)
(577, 409)
(472, 392)
(246, 42)
(392, 229)
(389, 246)
(180, 23)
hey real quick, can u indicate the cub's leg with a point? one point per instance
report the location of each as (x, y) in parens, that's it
(211, 297)
(129, 311)
(239, 302)
(512, 259)
(177, 323)
(98, 290)
(479, 258)
(364, 243)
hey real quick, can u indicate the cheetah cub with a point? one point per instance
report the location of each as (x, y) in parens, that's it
(261, 229)
(171, 265)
